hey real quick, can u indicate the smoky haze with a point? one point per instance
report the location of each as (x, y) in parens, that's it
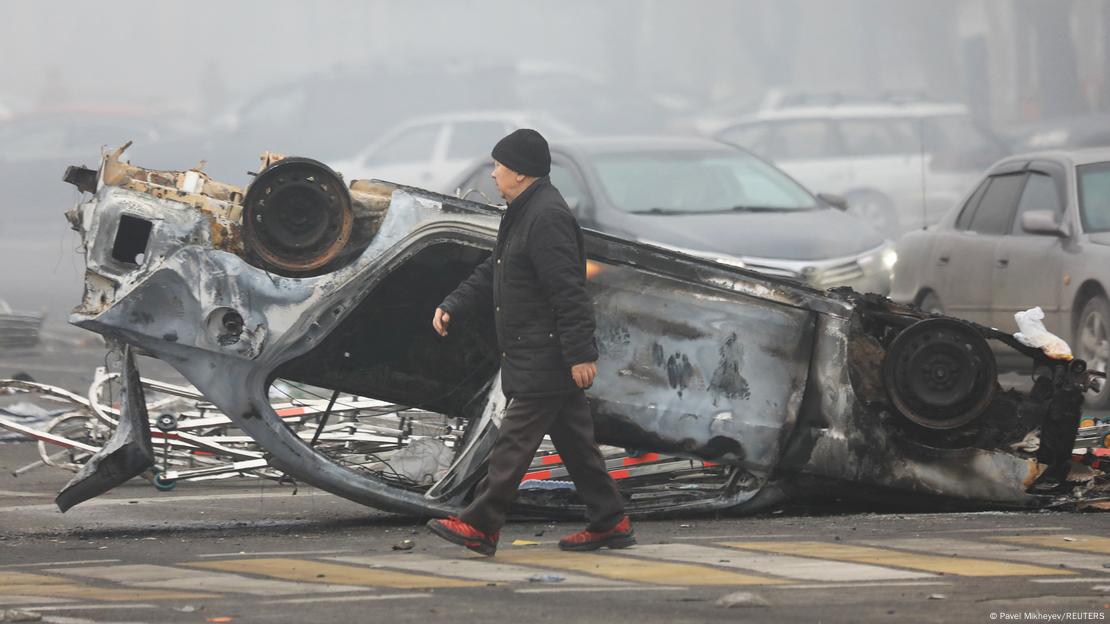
(221, 82)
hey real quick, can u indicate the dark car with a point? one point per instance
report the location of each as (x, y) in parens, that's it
(1034, 232)
(711, 200)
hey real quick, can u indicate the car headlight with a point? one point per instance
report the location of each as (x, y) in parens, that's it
(889, 258)
(884, 258)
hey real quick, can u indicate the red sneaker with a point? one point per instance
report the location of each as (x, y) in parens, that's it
(458, 532)
(619, 536)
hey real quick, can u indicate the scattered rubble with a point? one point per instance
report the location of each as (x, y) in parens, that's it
(17, 615)
(742, 599)
(546, 578)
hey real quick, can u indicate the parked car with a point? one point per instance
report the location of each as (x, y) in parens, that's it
(710, 200)
(899, 166)
(1034, 232)
(335, 113)
(430, 151)
(1075, 132)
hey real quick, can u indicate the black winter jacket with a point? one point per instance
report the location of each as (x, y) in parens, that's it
(536, 278)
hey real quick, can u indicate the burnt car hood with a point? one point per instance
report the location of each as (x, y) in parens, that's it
(786, 235)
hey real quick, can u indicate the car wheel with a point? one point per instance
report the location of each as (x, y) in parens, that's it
(874, 208)
(930, 303)
(1092, 343)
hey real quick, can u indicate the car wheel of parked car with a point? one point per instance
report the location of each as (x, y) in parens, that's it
(930, 303)
(1092, 343)
(874, 208)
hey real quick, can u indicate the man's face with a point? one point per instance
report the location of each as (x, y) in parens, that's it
(507, 181)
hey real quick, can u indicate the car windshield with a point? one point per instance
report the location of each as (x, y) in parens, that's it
(662, 182)
(1094, 197)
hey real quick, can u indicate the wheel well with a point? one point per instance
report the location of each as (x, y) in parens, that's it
(385, 349)
(1089, 290)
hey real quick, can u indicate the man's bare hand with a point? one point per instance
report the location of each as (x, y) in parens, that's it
(584, 374)
(440, 321)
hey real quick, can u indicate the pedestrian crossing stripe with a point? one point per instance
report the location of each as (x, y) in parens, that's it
(166, 577)
(787, 566)
(22, 583)
(961, 566)
(629, 569)
(987, 550)
(1081, 543)
(473, 568)
(307, 571)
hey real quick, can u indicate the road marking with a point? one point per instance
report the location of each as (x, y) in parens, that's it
(14, 494)
(26, 600)
(1104, 579)
(104, 607)
(22, 583)
(996, 530)
(275, 553)
(560, 590)
(629, 569)
(1081, 543)
(331, 573)
(477, 569)
(994, 550)
(787, 566)
(713, 538)
(900, 559)
(169, 577)
(331, 599)
(58, 563)
(101, 502)
(853, 585)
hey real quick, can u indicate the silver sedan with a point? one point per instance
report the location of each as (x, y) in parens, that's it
(1034, 232)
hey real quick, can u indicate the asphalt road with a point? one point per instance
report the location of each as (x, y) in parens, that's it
(256, 551)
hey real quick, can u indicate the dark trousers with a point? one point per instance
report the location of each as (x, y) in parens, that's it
(567, 418)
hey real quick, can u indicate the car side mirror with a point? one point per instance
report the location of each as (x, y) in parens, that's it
(1043, 222)
(836, 201)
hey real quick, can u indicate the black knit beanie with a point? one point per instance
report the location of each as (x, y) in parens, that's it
(524, 151)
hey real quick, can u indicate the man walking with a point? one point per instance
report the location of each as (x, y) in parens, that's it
(536, 281)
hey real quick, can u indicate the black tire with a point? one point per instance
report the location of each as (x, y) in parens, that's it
(1092, 343)
(930, 303)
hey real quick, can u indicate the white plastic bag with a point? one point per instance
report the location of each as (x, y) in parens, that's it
(1033, 334)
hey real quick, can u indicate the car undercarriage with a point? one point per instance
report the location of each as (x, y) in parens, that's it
(719, 388)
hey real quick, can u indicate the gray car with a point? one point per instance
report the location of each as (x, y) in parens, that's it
(1034, 232)
(711, 200)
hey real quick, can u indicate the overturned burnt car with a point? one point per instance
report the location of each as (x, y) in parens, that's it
(773, 391)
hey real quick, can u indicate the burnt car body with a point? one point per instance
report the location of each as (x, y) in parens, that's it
(788, 390)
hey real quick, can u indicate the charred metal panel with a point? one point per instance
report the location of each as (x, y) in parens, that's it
(126, 455)
(689, 368)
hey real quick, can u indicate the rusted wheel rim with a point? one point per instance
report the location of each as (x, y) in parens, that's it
(940, 373)
(297, 216)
